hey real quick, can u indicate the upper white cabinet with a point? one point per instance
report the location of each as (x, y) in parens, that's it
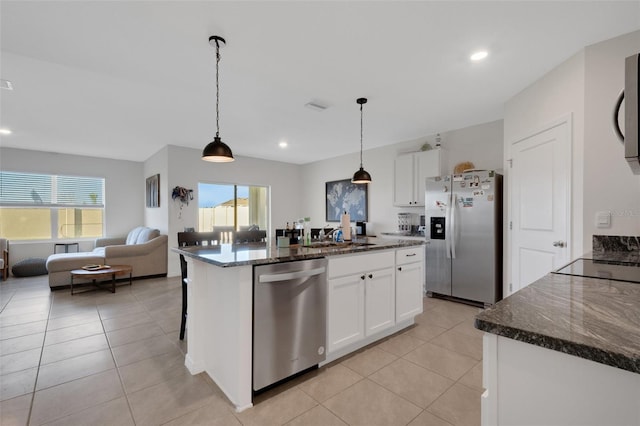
(410, 173)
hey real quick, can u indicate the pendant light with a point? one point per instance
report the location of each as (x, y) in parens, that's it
(217, 151)
(361, 176)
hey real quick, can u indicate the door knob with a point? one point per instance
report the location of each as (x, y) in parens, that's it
(558, 244)
(370, 276)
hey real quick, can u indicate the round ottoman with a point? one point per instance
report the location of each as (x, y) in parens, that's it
(30, 267)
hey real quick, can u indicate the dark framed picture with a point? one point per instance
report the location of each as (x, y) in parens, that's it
(153, 191)
(341, 196)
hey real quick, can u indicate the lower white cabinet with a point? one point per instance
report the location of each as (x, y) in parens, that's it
(409, 282)
(346, 311)
(361, 297)
(408, 290)
(379, 295)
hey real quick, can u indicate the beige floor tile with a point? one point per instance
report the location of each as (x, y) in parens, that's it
(161, 314)
(74, 368)
(71, 320)
(7, 320)
(73, 348)
(440, 360)
(329, 381)
(425, 331)
(151, 371)
(18, 383)
(74, 332)
(15, 412)
(170, 324)
(278, 409)
(412, 382)
(460, 309)
(401, 344)
(440, 317)
(27, 306)
(19, 344)
(72, 308)
(461, 343)
(473, 378)
(12, 331)
(427, 419)
(367, 403)
(110, 413)
(34, 301)
(466, 327)
(60, 401)
(317, 416)
(19, 361)
(429, 303)
(143, 349)
(171, 399)
(125, 321)
(109, 311)
(209, 415)
(369, 361)
(131, 334)
(459, 406)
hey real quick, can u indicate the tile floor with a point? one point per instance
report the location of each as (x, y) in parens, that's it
(115, 359)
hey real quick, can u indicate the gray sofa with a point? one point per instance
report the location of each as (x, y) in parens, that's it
(144, 249)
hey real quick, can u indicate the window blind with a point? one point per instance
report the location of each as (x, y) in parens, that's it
(40, 190)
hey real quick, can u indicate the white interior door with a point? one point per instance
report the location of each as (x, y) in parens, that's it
(540, 204)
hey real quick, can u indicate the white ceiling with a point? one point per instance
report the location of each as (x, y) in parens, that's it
(124, 79)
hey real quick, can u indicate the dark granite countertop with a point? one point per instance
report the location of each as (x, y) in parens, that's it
(595, 319)
(227, 255)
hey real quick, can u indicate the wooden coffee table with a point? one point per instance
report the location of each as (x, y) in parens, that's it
(111, 271)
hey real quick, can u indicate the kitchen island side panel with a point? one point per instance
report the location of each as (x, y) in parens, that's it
(219, 328)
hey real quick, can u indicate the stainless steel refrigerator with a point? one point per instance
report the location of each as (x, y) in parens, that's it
(463, 216)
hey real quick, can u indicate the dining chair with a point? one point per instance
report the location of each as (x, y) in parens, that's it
(192, 239)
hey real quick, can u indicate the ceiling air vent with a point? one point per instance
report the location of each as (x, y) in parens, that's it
(315, 106)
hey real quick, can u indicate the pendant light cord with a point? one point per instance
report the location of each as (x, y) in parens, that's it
(361, 136)
(217, 91)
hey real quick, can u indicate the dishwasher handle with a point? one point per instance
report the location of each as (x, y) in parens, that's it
(287, 276)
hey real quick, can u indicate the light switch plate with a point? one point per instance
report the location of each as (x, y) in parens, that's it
(603, 219)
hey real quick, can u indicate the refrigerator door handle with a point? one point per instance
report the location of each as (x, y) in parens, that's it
(452, 230)
(447, 228)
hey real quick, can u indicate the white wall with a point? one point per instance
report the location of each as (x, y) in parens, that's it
(609, 184)
(558, 94)
(481, 144)
(124, 185)
(186, 169)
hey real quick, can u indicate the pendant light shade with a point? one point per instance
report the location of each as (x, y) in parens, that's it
(361, 176)
(217, 151)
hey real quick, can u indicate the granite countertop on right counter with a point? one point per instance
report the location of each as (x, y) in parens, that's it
(566, 348)
(593, 318)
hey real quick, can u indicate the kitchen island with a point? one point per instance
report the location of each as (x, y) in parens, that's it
(220, 301)
(564, 350)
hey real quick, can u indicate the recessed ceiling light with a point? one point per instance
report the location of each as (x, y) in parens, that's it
(282, 144)
(5, 132)
(480, 55)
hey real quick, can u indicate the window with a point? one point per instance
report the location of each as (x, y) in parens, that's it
(41, 207)
(232, 207)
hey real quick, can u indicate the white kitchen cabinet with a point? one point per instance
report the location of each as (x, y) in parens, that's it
(346, 311)
(410, 172)
(361, 297)
(409, 282)
(380, 299)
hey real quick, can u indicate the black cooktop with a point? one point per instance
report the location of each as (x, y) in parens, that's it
(602, 269)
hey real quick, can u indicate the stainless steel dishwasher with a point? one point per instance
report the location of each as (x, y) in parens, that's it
(289, 319)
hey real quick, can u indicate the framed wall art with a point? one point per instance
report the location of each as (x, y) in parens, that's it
(153, 191)
(341, 196)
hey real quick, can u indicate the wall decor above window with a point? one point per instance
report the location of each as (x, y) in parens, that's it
(153, 191)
